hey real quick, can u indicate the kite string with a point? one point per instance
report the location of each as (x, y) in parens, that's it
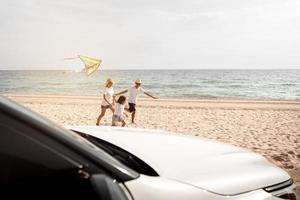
(71, 58)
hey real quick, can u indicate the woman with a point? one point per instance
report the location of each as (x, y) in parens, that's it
(108, 99)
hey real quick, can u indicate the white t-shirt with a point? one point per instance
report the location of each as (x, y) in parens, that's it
(133, 92)
(108, 92)
(119, 109)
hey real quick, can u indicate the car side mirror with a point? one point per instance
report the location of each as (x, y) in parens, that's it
(107, 188)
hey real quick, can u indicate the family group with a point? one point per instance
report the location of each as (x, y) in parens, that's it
(120, 104)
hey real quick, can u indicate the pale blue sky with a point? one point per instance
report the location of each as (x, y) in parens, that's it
(150, 34)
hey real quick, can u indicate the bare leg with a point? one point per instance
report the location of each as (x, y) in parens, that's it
(112, 109)
(103, 110)
(123, 123)
(113, 123)
(132, 117)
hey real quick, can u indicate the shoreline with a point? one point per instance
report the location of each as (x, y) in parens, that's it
(176, 103)
(169, 99)
(270, 128)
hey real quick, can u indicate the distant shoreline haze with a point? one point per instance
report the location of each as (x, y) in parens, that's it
(144, 69)
(194, 84)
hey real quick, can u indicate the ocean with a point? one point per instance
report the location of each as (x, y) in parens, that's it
(193, 84)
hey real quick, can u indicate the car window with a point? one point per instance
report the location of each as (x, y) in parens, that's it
(28, 168)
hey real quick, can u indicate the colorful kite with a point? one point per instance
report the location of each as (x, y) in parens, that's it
(90, 64)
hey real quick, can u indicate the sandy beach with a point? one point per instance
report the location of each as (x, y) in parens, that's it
(271, 128)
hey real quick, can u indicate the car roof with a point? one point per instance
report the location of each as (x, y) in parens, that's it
(68, 138)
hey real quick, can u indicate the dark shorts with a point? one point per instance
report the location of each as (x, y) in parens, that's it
(131, 107)
(106, 107)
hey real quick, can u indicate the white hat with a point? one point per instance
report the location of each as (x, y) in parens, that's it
(138, 81)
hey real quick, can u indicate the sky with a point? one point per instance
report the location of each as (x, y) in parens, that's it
(151, 34)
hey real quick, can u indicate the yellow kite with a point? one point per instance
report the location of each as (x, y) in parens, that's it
(90, 64)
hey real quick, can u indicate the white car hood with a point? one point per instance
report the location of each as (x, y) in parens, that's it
(209, 165)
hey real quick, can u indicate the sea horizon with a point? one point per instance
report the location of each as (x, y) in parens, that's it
(252, 84)
(161, 69)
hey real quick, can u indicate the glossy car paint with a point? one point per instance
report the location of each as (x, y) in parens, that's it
(217, 168)
(149, 188)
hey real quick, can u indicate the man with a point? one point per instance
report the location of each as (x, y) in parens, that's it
(133, 92)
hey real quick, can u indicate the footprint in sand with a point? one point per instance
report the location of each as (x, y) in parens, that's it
(291, 152)
(288, 166)
(277, 158)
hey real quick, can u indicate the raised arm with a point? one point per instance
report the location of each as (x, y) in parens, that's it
(149, 95)
(122, 92)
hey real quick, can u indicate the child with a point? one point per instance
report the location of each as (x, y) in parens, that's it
(119, 111)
